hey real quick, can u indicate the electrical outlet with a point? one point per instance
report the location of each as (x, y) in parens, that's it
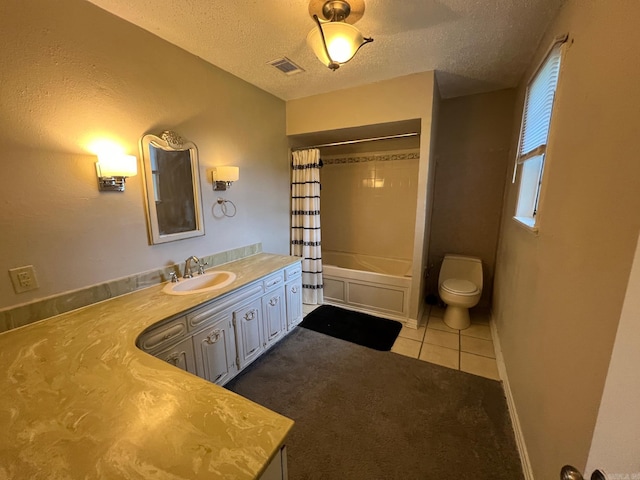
(23, 278)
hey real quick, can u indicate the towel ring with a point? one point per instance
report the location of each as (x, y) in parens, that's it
(224, 209)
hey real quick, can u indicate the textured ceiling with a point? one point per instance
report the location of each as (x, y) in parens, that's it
(474, 45)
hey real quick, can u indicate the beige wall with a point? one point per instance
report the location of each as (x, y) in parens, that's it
(559, 294)
(472, 156)
(369, 205)
(71, 73)
(403, 98)
(616, 441)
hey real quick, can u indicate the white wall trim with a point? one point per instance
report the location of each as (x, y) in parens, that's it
(515, 421)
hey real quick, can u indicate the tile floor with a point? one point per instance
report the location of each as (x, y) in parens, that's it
(470, 350)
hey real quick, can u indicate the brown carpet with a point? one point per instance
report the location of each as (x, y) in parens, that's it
(366, 414)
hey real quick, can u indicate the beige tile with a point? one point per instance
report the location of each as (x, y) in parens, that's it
(437, 323)
(437, 311)
(477, 365)
(477, 346)
(412, 333)
(406, 347)
(478, 331)
(443, 356)
(307, 309)
(444, 339)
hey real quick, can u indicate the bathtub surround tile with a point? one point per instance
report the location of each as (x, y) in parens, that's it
(478, 331)
(406, 347)
(445, 357)
(478, 365)
(477, 346)
(437, 323)
(444, 339)
(412, 333)
(14, 317)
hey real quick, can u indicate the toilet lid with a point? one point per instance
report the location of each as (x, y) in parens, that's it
(459, 286)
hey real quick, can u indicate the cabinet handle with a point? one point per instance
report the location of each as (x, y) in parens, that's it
(274, 301)
(294, 289)
(173, 358)
(250, 315)
(213, 337)
(273, 282)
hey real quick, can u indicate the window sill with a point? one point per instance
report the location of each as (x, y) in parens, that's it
(529, 224)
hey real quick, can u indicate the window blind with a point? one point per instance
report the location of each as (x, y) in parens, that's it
(538, 106)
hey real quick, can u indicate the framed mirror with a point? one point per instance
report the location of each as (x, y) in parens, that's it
(172, 187)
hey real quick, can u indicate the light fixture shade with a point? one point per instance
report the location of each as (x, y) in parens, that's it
(343, 41)
(117, 166)
(227, 174)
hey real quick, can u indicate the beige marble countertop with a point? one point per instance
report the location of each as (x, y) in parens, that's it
(79, 400)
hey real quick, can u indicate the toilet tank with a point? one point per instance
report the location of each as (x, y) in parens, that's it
(463, 267)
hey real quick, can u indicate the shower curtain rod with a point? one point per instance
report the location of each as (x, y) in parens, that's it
(349, 142)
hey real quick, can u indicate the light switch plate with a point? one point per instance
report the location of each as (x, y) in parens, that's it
(23, 278)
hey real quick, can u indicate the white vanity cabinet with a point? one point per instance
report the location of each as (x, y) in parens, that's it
(180, 355)
(168, 342)
(247, 321)
(215, 351)
(218, 339)
(293, 289)
(274, 312)
(274, 309)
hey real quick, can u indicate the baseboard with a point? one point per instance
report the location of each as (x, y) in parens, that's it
(513, 413)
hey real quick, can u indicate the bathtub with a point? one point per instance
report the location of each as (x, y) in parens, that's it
(366, 283)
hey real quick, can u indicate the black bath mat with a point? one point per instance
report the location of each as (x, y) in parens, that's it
(366, 330)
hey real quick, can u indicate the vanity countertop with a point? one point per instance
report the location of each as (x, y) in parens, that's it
(78, 399)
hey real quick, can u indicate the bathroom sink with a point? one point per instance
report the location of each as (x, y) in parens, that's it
(200, 283)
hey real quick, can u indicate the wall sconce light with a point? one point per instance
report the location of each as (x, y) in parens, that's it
(223, 177)
(335, 41)
(112, 171)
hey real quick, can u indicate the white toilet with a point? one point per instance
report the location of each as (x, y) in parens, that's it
(460, 287)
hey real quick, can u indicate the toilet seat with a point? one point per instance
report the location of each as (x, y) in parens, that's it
(458, 286)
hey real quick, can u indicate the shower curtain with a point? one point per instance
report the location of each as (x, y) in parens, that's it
(305, 222)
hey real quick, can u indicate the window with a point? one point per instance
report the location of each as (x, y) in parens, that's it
(534, 133)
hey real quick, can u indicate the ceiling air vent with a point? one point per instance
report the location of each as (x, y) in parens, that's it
(286, 66)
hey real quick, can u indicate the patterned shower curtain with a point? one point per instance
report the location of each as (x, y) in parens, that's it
(305, 222)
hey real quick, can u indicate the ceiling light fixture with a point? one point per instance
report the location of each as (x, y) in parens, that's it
(336, 41)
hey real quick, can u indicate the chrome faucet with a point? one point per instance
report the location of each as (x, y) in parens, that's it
(187, 266)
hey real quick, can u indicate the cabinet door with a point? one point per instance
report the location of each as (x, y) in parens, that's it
(274, 312)
(215, 352)
(294, 303)
(248, 323)
(180, 355)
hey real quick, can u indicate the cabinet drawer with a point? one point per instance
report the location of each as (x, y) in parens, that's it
(274, 280)
(180, 355)
(293, 271)
(197, 317)
(163, 335)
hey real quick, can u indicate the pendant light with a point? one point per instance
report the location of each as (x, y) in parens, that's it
(335, 41)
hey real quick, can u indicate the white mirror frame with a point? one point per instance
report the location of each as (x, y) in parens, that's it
(169, 141)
